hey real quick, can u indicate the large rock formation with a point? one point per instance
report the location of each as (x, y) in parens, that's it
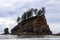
(36, 25)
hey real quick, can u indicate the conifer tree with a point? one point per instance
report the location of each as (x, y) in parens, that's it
(43, 10)
(18, 20)
(24, 16)
(35, 11)
(39, 12)
(29, 13)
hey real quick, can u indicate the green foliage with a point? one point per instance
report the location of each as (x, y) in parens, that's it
(39, 12)
(35, 11)
(29, 14)
(24, 16)
(18, 19)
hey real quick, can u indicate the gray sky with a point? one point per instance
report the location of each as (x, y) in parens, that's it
(11, 9)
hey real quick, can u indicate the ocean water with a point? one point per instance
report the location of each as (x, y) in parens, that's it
(29, 37)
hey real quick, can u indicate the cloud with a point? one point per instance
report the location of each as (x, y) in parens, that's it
(54, 27)
(7, 3)
(53, 2)
(7, 22)
(11, 9)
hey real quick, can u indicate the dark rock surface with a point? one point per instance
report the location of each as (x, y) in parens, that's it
(6, 31)
(35, 25)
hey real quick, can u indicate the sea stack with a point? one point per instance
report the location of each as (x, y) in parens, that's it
(33, 25)
(6, 31)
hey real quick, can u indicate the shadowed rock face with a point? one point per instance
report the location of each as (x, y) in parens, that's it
(36, 25)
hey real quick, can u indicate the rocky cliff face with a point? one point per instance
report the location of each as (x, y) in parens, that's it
(34, 25)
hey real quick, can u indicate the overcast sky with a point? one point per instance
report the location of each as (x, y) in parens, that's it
(11, 9)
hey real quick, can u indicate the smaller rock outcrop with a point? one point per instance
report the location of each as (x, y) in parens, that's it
(6, 31)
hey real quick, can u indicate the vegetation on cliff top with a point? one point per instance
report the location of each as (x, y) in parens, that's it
(30, 13)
